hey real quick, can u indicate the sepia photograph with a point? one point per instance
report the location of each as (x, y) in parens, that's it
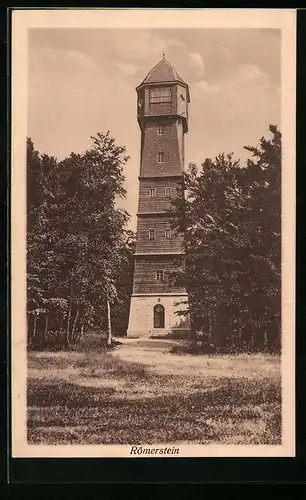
(153, 233)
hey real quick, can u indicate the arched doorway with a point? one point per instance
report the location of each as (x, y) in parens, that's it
(159, 316)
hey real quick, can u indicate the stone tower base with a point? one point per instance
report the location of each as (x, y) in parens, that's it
(141, 321)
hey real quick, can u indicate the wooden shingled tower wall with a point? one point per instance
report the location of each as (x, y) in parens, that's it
(162, 115)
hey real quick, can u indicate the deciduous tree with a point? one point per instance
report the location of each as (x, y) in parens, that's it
(230, 215)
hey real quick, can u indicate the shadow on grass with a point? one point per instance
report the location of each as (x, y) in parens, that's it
(113, 365)
(92, 362)
(240, 409)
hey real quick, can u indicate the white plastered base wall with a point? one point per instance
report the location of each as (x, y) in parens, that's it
(141, 321)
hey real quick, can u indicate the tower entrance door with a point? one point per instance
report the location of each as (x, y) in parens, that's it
(159, 316)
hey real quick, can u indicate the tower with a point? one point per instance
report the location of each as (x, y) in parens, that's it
(162, 114)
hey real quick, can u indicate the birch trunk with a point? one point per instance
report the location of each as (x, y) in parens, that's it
(209, 330)
(34, 327)
(82, 331)
(74, 324)
(69, 313)
(251, 327)
(265, 340)
(28, 327)
(46, 326)
(109, 325)
(239, 333)
(68, 324)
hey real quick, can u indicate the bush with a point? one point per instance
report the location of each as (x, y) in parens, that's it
(95, 341)
(55, 341)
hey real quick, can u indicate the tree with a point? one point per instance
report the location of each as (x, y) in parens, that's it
(264, 168)
(75, 246)
(230, 217)
(124, 285)
(41, 263)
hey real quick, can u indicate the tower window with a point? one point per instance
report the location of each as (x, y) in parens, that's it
(160, 95)
(159, 275)
(160, 157)
(151, 234)
(168, 234)
(161, 130)
(167, 192)
(152, 192)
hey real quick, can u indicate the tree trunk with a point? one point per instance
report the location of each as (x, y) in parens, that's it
(251, 328)
(74, 324)
(265, 333)
(46, 326)
(209, 330)
(68, 324)
(34, 326)
(234, 332)
(69, 314)
(109, 325)
(61, 329)
(192, 330)
(28, 327)
(82, 331)
(230, 324)
(239, 333)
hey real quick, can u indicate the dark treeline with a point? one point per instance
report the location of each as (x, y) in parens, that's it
(230, 215)
(79, 252)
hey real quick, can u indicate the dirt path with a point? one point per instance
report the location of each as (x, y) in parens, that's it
(155, 354)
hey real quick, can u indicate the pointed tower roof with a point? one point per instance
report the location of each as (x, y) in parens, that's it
(162, 72)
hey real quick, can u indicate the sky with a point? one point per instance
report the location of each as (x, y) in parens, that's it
(82, 81)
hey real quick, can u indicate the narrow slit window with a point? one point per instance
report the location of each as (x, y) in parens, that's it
(151, 234)
(159, 275)
(168, 234)
(152, 192)
(168, 192)
(160, 157)
(161, 130)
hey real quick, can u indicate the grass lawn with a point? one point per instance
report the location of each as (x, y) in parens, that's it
(140, 393)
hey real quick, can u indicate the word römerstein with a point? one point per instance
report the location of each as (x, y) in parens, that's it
(140, 450)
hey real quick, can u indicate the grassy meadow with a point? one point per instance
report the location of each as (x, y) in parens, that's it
(141, 393)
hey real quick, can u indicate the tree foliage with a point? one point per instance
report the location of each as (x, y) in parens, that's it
(230, 215)
(78, 247)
